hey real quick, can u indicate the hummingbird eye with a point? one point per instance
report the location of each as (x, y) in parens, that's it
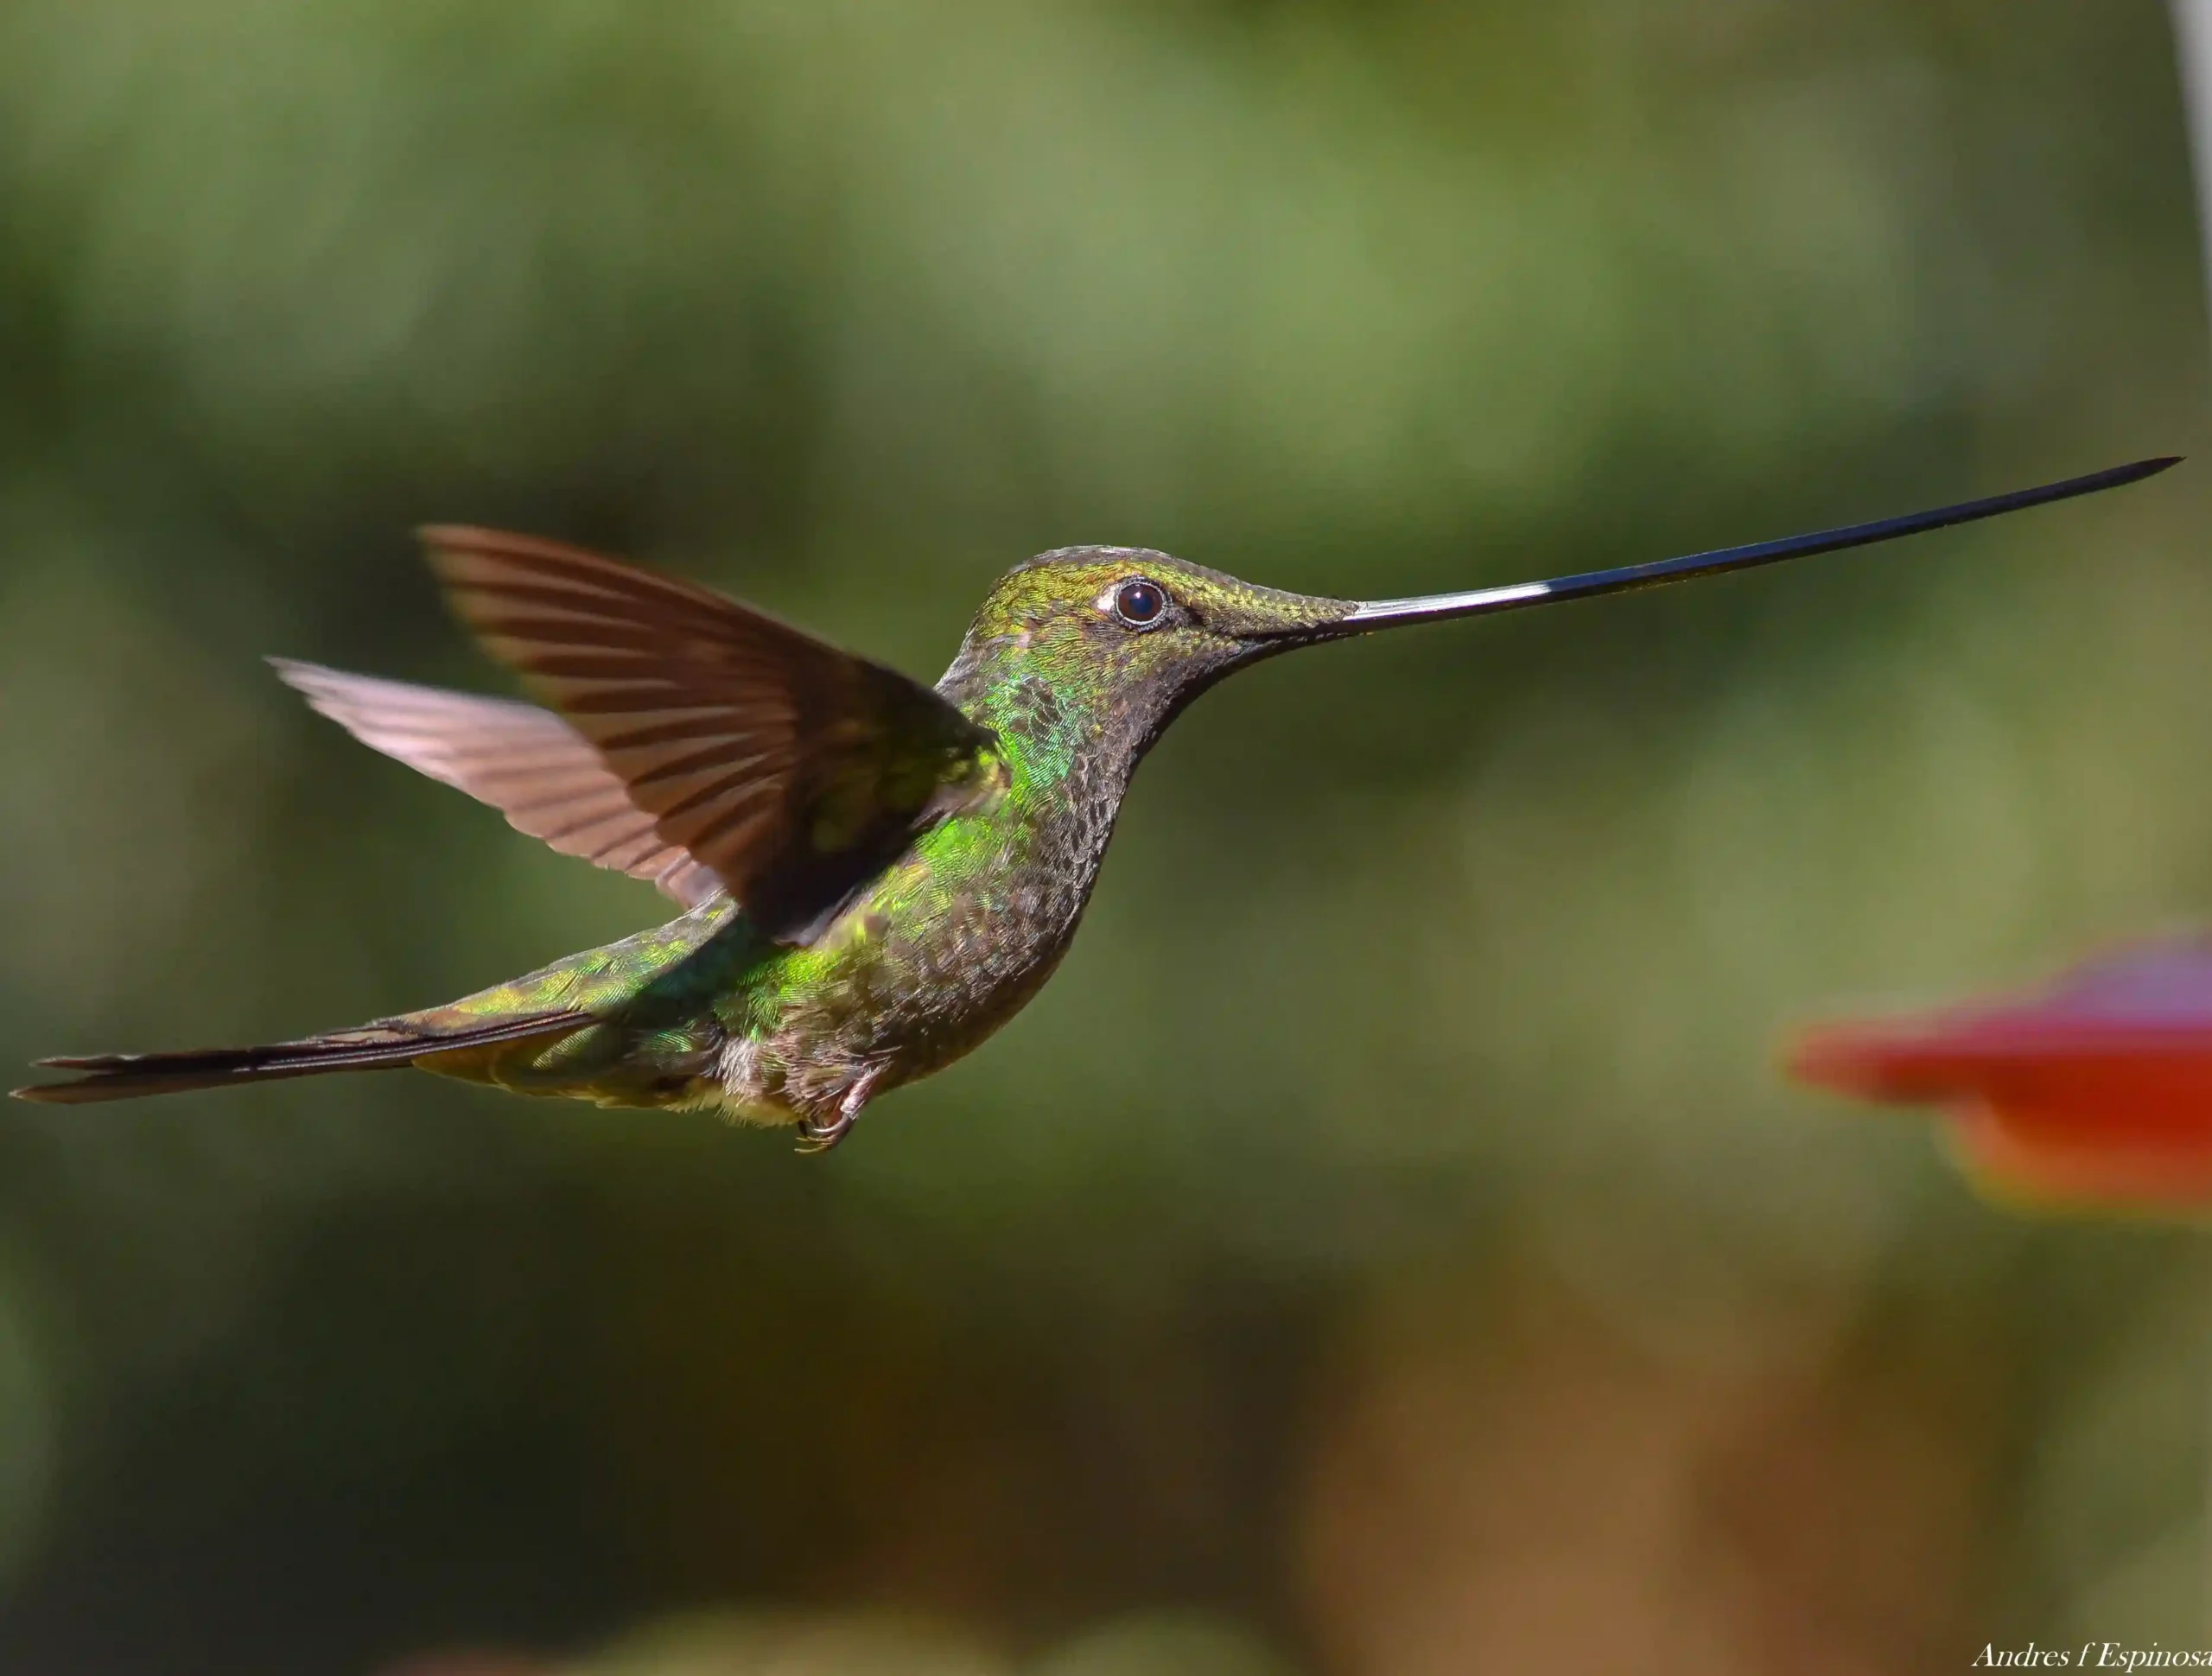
(1139, 602)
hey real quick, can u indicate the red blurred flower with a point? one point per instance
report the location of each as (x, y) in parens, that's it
(2097, 1090)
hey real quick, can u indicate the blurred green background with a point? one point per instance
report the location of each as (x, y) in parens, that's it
(1385, 1248)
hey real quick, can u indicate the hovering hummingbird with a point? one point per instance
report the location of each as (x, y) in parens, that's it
(876, 876)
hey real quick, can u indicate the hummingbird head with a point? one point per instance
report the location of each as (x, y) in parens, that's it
(1107, 643)
(1087, 653)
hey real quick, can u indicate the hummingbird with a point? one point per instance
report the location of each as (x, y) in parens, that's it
(874, 875)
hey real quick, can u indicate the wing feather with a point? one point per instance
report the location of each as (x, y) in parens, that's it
(546, 777)
(792, 771)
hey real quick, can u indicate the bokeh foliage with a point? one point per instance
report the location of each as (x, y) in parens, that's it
(1384, 1247)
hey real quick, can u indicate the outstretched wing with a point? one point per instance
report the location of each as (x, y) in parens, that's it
(527, 762)
(792, 772)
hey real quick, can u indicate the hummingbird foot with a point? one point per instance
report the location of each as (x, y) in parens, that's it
(817, 1135)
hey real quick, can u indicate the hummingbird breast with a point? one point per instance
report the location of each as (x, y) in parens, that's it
(956, 936)
(941, 951)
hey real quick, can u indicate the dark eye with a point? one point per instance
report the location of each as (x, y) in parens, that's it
(1139, 603)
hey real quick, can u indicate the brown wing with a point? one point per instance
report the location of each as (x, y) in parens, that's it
(527, 762)
(792, 771)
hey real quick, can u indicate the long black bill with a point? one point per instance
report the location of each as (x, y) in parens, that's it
(1378, 613)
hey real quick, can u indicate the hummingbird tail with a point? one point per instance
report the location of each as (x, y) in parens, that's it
(391, 1045)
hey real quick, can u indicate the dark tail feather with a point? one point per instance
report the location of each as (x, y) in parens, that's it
(393, 1045)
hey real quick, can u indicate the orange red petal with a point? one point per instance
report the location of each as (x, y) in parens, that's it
(2097, 1090)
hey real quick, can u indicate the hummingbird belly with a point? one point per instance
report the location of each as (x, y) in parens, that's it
(940, 952)
(705, 1012)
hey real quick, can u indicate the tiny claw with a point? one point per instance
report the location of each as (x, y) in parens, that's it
(815, 1138)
